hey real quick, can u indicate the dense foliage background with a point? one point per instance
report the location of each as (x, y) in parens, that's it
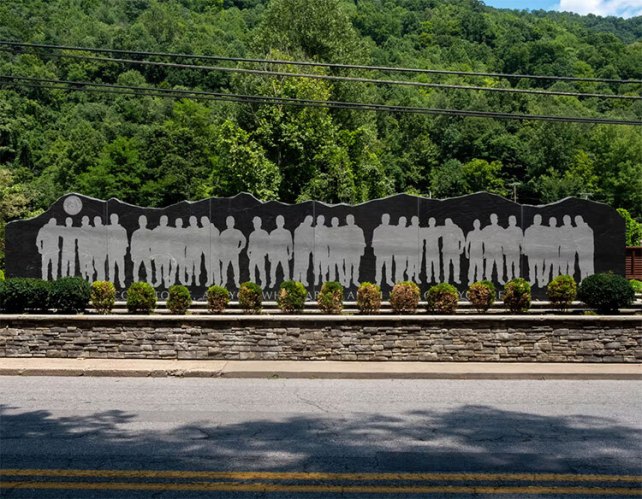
(156, 151)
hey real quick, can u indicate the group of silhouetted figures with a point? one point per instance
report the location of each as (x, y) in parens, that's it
(493, 252)
(199, 253)
(100, 249)
(180, 254)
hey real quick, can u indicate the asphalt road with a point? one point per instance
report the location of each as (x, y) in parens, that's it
(166, 438)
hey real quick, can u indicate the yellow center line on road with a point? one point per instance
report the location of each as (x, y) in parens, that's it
(360, 489)
(268, 475)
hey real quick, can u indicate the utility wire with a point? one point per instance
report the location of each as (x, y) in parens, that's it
(320, 64)
(349, 78)
(258, 99)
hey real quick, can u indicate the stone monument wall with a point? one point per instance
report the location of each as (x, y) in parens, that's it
(479, 339)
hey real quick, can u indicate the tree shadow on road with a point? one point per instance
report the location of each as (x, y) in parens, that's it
(468, 438)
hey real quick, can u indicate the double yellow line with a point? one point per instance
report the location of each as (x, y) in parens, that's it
(250, 481)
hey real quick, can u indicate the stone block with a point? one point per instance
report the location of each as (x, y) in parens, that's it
(405, 343)
(183, 354)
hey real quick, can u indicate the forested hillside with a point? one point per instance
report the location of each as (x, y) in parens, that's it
(154, 150)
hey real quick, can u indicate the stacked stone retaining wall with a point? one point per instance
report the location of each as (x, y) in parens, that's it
(408, 338)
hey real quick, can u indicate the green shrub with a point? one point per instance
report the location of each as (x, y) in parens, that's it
(69, 295)
(442, 298)
(179, 299)
(606, 293)
(561, 292)
(141, 298)
(368, 298)
(251, 298)
(482, 295)
(404, 297)
(517, 295)
(38, 295)
(330, 298)
(292, 295)
(39, 299)
(217, 298)
(20, 294)
(103, 296)
(1, 275)
(636, 285)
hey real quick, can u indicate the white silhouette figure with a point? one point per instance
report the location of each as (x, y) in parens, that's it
(336, 252)
(178, 242)
(383, 245)
(303, 248)
(568, 247)
(70, 235)
(197, 244)
(140, 250)
(550, 237)
(47, 242)
(257, 250)
(161, 252)
(415, 248)
(232, 242)
(190, 236)
(474, 251)
(213, 264)
(493, 236)
(100, 245)
(280, 251)
(585, 244)
(321, 251)
(512, 248)
(430, 236)
(355, 245)
(535, 250)
(406, 247)
(452, 247)
(86, 250)
(117, 244)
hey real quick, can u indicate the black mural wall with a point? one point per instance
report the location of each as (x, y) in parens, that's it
(227, 241)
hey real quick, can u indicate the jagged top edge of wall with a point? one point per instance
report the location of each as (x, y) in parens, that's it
(329, 205)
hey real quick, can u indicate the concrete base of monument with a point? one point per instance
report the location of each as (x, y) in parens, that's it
(315, 369)
(389, 338)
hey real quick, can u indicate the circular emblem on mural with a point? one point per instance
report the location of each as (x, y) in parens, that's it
(72, 205)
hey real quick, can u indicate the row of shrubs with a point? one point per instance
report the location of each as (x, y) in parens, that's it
(606, 293)
(65, 295)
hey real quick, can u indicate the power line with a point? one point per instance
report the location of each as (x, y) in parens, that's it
(321, 64)
(259, 99)
(350, 78)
